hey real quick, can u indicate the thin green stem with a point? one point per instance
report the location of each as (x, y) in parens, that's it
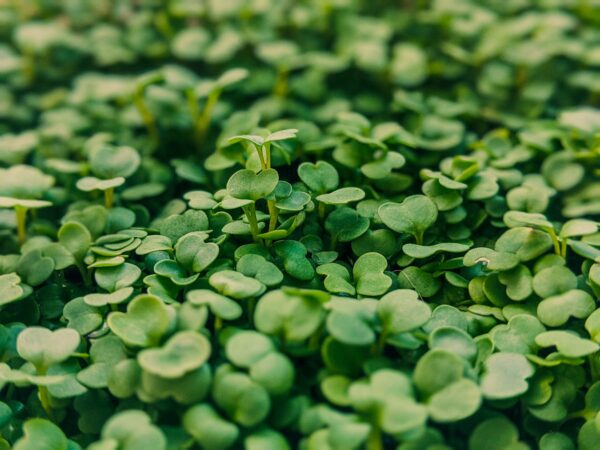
(281, 84)
(147, 116)
(273, 214)
(555, 242)
(263, 162)
(334, 242)
(21, 213)
(268, 155)
(203, 122)
(382, 340)
(251, 308)
(218, 324)
(594, 361)
(314, 340)
(85, 274)
(187, 444)
(563, 248)
(250, 212)
(321, 209)
(28, 66)
(419, 237)
(374, 441)
(192, 102)
(109, 197)
(43, 393)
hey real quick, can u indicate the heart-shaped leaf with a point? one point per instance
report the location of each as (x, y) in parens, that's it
(294, 314)
(182, 353)
(118, 277)
(455, 402)
(108, 161)
(345, 224)
(219, 305)
(113, 298)
(567, 343)
(11, 289)
(369, 274)
(320, 177)
(497, 433)
(248, 347)
(342, 196)
(505, 375)
(247, 185)
(413, 216)
(209, 429)
(518, 336)
(88, 184)
(491, 259)
(76, 238)
(557, 310)
(236, 285)
(44, 348)
(402, 310)
(294, 258)
(41, 434)
(258, 267)
(144, 323)
(337, 279)
(425, 251)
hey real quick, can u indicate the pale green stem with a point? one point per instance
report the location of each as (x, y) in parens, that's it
(250, 212)
(147, 116)
(218, 323)
(273, 214)
(563, 248)
(594, 361)
(109, 197)
(268, 155)
(374, 441)
(321, 209)
(85, 274)
(419, 237)
(28, 66)
(281, 84)
(43, 393)
(192, 102)
(203, 122)
(187, 444)
(21, 213)
(382, 340)
(334, 241)
(251, 308)
(263, 163)
(313, 342)
(555, 242)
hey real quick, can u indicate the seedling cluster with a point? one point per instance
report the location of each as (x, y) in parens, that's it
(299, 224)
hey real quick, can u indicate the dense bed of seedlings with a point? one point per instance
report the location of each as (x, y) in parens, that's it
(313, 224)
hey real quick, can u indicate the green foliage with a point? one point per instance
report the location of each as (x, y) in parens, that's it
(312, 224)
